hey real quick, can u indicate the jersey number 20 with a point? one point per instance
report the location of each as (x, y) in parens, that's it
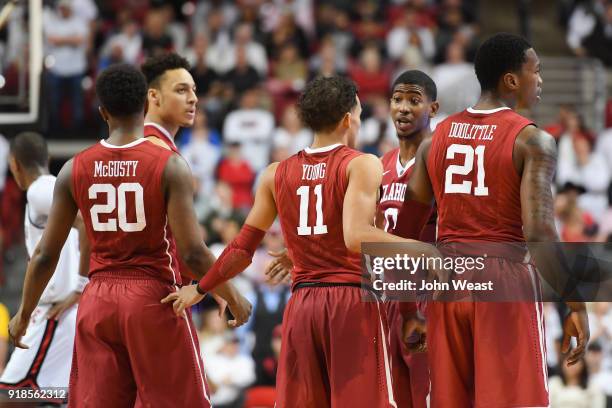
(465, 187)
(116, 199)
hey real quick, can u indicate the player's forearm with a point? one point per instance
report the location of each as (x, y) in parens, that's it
(199, 259)
(355, 237)
(39, 272)
(227, 291)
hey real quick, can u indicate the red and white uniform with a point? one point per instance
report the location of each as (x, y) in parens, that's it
(483, 354)
(410, 370)
(335, 351)
(130, 350)
(158, 131)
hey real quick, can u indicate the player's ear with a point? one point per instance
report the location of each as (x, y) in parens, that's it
(346, 120)
(153, 96)
(103, 113)
(511, 81)
(433, 109)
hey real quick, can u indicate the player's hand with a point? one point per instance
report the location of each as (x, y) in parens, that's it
(222, 304)
(576, 325)
(240, 308)
(279, 269)
(185, 297)
(414, 334)
(17, 329)
(58, 308)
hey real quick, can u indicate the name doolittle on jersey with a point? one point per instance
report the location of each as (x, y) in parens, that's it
(393, 192)
(470, 131)
(115, 168)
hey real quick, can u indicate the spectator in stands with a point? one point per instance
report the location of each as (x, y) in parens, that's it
(599, 376)
(290, 67)
(203, 75)
(407, 34)
(202, 153)
(574, 223)
(580, 165)
(242, 76)
(125, 46)
(454, 26)
(327, 62)
(370, 74)
(229, 373)
(212, 329)
(236, 172)
(572, 388)
(252, 127)
(457, 85)
(291, 134)
(590, 32)
(378, 129)
(155, 38)
(600, 320)
(287, 31)
(4, 336)
(66, 36)
(558, 128)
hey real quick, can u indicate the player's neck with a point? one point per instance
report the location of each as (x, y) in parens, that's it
(154, 117)
(122, 133)
(33, 175)
(493, 100)
(409, 145)
(327, 139)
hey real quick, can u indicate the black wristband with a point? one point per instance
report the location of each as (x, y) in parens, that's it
(199, 289)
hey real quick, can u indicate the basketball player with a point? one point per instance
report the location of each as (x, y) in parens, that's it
(490, 171)
(335, 351)
(413, 104)
(130, 350)
(50, 332)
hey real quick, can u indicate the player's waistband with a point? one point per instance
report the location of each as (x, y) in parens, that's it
(126, 276)
(303, 285)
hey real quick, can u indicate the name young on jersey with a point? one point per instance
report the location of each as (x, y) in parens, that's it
(469, 131)
(115, 168)
(393, 192)
(313, 172)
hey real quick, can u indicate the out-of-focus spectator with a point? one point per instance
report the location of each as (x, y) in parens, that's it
(590, 30)
(125, 46)
(202, 155)
(604, 146)
(242, 76)
(290, 67)
(370, 75)
(291, 135)
(598, 375)
(600, 322)
(66, 36)
(578, 164)
(203, 75)
(229, 373)
(377, 129)
(4, 336)
(155, 37)
(457, 85)
(407, 34)
(571, 389)
(552, 322)
(454, 28)
(211, 331)
(326, 62)
(236, 172)
(287, 32)
(558, 128)
(252, 127)
(574, 224)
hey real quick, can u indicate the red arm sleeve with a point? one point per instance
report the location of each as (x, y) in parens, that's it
(234, 259)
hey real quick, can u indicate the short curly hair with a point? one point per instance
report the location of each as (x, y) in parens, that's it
(325, 101)
(122, 90)
(154, 68)
(498, 55)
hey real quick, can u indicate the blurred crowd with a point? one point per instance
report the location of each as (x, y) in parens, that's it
(250, 59)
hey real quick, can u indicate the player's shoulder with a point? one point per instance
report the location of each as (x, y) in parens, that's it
(532, 138)
(41, 186)
(365, 162)
(389, 157)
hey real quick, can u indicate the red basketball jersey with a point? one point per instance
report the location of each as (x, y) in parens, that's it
(392, 194)
(310, 188)
(118, 190)
(476, 186)
(153, 129)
